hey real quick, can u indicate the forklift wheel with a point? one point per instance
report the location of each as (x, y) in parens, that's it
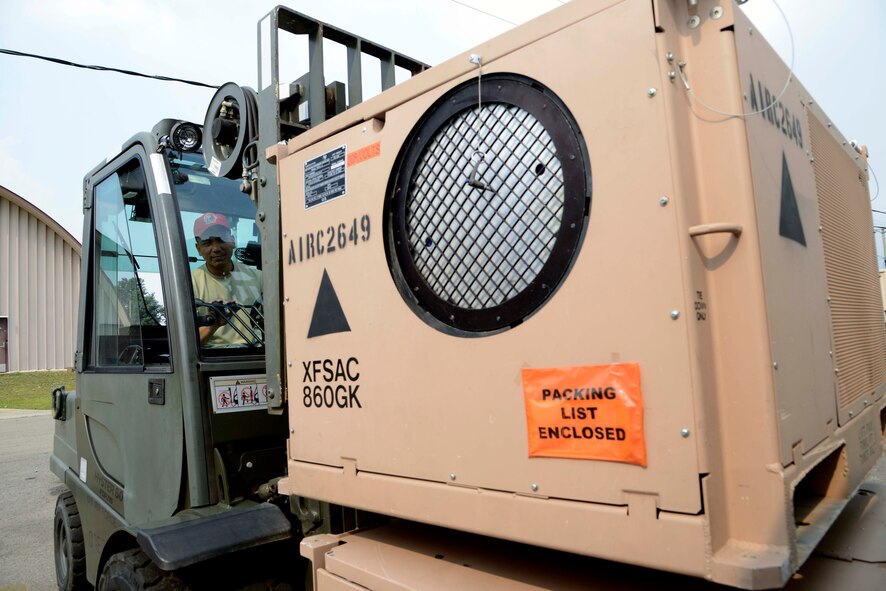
(133, 571)
(70, 552)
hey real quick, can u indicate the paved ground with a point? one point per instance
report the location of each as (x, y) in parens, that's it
(27, 501)
(28, 491)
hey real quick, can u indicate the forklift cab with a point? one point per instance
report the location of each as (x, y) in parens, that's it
(162, 425)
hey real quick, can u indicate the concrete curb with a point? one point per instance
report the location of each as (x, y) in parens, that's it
(15, 413)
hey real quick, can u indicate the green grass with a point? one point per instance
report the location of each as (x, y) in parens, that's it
(30, 390)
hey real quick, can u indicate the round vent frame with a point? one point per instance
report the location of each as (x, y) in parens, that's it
(487, 207)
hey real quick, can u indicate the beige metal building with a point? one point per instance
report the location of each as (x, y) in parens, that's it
(39, 288)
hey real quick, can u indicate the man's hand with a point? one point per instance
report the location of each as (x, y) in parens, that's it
(219, 312)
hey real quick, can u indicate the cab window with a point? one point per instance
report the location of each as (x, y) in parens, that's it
(128, 306)
(224, 257)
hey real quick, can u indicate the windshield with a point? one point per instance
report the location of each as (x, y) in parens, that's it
(224, 256)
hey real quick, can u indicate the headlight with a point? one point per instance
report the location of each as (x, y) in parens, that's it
(186, 136)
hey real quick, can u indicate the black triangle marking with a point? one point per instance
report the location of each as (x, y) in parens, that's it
(328, 318)
(789, 225)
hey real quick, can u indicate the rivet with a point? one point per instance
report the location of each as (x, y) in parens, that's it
(675, 314)
(249, 464)
(684, 432)
(534, 487)
(284, 234)
(651, 92)
(289, 364)
(775, 365)
(292, 430)
(452, 476)
(866, 402)
(694, 21)
(716, 12)
(851, 413)
(672, 75)
(663, 200)
(670, 56)
(286, 299)
(261, 216)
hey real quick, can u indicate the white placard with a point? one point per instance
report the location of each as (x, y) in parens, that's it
(238, 393)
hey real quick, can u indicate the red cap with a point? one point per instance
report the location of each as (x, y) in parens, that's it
(208, 220)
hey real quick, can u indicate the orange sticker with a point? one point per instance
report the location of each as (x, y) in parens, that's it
(589, 413)
(364, 154)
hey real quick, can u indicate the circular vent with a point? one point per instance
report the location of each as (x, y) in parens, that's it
(489, 201)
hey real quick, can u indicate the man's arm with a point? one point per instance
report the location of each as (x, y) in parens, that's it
(207, 331)
(199, 283)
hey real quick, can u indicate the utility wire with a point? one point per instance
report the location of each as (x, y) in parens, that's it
(62, 62)
(495, 16)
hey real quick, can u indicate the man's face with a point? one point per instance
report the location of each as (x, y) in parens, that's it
(216, 246)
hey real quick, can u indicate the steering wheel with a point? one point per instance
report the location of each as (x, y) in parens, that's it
(131, 355)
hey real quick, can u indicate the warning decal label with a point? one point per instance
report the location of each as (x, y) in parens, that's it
(587, 412)
(238, 393)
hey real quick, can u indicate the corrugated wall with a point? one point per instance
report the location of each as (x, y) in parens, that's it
(39, 286)
(851, 263)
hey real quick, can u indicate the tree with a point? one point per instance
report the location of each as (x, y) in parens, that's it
(131, 293)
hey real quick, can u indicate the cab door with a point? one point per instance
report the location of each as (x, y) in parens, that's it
(130, 439)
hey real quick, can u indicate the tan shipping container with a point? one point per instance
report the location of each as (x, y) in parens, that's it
(617, 208)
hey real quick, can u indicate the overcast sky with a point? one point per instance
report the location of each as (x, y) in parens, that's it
(56, 123)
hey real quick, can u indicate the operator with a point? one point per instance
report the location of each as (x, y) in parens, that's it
(222, 280)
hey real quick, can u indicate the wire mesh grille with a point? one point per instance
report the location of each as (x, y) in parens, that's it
(488, 205)
(479, 245)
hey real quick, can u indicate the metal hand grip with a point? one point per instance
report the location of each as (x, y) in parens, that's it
(719, 228)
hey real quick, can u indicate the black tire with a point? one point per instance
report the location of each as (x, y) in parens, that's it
(70, 552)
(133, 571)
